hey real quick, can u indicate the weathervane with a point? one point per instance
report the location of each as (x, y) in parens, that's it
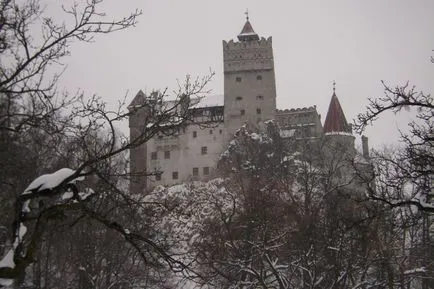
(334, 87)
(247, 14)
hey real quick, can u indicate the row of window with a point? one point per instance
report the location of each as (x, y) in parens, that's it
(175, 175)
(205, 171)
(239, 79)
(259, 97)
(154, 155)
(210, 132)
(160, 136)
(243, 111)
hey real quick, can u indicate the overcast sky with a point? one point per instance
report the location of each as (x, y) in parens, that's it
(355, 43)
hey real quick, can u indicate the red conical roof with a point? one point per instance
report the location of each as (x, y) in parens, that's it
(248, 33)
(335, 120)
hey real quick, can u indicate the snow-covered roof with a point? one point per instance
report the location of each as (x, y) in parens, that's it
(207, 101)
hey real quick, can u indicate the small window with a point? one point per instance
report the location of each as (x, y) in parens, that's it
(154, 155)
(195, 172)
(221, 131)
(242, 112)
(175, 175)
(167, 154)
(259, 97)
(204, 150)
(205, 171)
(258, 77)
(210, 131)
(158, 177)
(239, 98)
(258, 111)
(195, 134)
(238, 79)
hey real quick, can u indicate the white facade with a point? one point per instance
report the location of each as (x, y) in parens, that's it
(189, 155)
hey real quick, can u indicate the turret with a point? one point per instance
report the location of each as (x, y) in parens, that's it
(248, 34)
(338, 136)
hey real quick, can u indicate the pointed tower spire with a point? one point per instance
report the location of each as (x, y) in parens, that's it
(247, 33)
(335, 120)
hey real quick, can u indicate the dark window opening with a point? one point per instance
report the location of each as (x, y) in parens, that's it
(175, 175)
(259, 77)
(238, 79)
(154, 155)
(195, 172)
(206, 171)
(242, 112)
(204, 150)
(195, 134)
(167, 154)
(158, 177)
(259, 97)
(210, 131)
(258, 111)
(239, 98)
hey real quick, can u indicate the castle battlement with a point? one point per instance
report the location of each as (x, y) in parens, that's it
(248, 55)
(261, 43)
(297, 110)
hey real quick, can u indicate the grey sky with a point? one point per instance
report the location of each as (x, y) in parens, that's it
(356, 43)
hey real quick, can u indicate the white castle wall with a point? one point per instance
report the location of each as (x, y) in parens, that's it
(186, 153)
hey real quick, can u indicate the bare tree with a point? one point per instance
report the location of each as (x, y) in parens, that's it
(402, 179)
(298, 221)
(413, 164)
(60, 129)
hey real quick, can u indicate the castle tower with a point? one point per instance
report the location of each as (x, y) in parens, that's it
(339, 139)
(249, 81)
(138, 155)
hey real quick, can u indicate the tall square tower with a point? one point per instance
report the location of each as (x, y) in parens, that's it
(249, 81)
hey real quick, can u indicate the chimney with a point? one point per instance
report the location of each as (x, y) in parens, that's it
(365, 147)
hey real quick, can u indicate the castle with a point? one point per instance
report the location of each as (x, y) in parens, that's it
(249, 97)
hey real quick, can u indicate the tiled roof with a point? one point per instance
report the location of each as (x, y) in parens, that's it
(335, 120)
